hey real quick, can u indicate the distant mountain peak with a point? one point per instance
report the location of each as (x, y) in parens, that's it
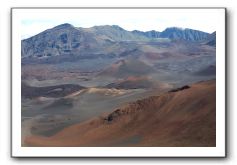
(65, 25)
(176, 33)
(183, 34)
(117, 27)
(175, 28)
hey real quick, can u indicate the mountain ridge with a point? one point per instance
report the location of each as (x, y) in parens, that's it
(65, 39)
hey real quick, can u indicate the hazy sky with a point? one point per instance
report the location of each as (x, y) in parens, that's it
(34, 21)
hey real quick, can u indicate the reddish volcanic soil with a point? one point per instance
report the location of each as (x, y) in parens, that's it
(184, 117)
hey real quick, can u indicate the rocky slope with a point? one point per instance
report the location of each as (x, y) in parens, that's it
(182, 117)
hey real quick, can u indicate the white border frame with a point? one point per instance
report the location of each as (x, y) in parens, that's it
(218, 151)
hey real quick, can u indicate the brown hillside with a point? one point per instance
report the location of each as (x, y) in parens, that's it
(181, 118)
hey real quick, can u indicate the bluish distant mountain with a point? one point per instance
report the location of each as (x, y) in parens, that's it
(65, 39)
(149, 34)
(211, 39)
(184, 34)
(175, 33)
